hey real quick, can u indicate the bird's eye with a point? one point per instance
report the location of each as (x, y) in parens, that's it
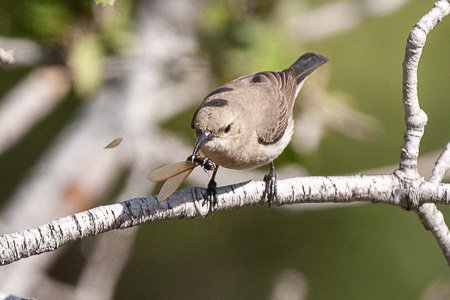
(228, 128)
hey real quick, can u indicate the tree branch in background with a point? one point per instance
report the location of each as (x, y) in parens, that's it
(23, 51)
(20, 110)
(6, 57)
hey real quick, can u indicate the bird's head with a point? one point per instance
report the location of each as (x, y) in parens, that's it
(215, 125)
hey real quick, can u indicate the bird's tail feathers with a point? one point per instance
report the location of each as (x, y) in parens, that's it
(306, 64)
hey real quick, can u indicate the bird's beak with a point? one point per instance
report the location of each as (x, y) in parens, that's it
(204, 137)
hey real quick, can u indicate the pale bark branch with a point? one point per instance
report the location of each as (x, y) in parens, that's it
(433, 220)
(431, 217)
(416, 119)
(188, 203)
(442, 166)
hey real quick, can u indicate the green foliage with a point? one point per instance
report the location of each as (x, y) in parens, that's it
(45, 21)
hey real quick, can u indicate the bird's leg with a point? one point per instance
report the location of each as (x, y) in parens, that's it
(271, 192)
(211, 193)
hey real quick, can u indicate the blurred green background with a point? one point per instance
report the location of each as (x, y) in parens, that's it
(344, 252)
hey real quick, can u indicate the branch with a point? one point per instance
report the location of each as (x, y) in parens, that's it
(415, 117)
(416, 120)
(188, 203)
(442, 166)
(431, 217)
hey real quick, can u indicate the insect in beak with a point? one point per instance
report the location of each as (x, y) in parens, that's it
(176, 173)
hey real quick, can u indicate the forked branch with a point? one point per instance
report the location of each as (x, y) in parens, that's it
(416, 119)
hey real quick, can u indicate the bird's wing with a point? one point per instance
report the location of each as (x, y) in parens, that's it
(279, 89)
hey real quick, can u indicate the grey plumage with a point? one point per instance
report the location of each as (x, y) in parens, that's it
(243, 124)
(250, 118)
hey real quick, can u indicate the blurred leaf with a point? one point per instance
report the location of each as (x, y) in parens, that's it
(49, 20)
(44, 21)
(86, 64)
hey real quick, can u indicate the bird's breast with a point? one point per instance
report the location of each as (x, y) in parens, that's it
(246, 153)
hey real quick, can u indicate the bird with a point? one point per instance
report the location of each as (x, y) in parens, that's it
(248, 122)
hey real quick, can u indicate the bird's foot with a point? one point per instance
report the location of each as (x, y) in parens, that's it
(211, 195)
(271, 192)
(211, 192)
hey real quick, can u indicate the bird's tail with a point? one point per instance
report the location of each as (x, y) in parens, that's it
(306, 64)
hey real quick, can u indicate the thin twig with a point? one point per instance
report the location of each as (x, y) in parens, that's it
(442, 166)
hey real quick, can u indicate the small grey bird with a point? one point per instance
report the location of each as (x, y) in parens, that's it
(247, 123)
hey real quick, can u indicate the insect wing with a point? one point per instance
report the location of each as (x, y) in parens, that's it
(172, 184)
(114, 143)
(172, 170)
